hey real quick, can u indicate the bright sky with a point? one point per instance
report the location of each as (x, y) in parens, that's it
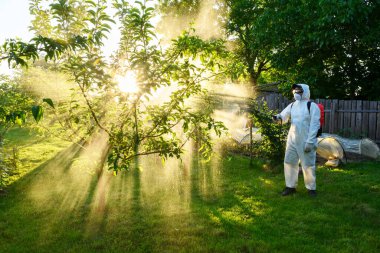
(15, 20)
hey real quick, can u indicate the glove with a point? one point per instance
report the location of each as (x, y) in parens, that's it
(308, 147)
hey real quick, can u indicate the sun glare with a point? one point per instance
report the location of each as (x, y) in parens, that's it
(128, 83)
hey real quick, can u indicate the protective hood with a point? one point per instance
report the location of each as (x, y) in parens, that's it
(306, 90)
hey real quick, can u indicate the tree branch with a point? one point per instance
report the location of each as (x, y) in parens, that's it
(92, 110)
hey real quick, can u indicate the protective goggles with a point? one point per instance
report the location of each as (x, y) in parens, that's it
(297, 91)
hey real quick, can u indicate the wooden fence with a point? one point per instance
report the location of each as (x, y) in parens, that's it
(348, 118)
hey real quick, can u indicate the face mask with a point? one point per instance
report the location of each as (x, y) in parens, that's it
(297, 96)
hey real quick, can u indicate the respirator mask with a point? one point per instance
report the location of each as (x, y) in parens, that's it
(297, 93)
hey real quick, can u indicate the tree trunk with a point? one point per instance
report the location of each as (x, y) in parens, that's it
(253, 80)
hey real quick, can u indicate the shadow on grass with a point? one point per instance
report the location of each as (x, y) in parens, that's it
(62, 160)
(52, 204)
(18, 212)
(63, 206)
(224, 205)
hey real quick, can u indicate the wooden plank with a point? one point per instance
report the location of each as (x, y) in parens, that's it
(378, 123)
(359, 118)
(280, 103)
(284, 104)
(327, 105)
(334, 116)
(271, 98)
(346, 119)
(372, 121)
(269, 101)
(276, 102)
(340, 117)
(274, 98)
(365, 118)
(328, 110)
(353, 119)
(266, 99)
(362, 111)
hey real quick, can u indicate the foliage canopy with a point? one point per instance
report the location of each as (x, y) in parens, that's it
(333, 46)
(136, 123)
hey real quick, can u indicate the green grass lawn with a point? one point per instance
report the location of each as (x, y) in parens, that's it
(226, 205)
(32, 149)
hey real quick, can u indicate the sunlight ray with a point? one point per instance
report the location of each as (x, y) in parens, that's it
(128, 83)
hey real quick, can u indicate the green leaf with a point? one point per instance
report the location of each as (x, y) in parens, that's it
(18, 121)
(37, 112)
(19, 117)
(49, 101)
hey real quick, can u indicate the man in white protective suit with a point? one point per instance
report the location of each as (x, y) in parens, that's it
(301, 143)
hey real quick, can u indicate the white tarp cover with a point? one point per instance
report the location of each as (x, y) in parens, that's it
(331, 150)
(330, 146)
(365, 147)
(242, 135)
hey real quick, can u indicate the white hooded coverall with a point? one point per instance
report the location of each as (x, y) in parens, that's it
(303, 129)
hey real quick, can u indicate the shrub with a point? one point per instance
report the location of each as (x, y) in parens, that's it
(272, 145)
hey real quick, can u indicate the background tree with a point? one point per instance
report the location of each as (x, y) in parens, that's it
(180, 7)
(15, 107)
(333, 46)
(241, 26)
(248, 58)
(204, 16)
